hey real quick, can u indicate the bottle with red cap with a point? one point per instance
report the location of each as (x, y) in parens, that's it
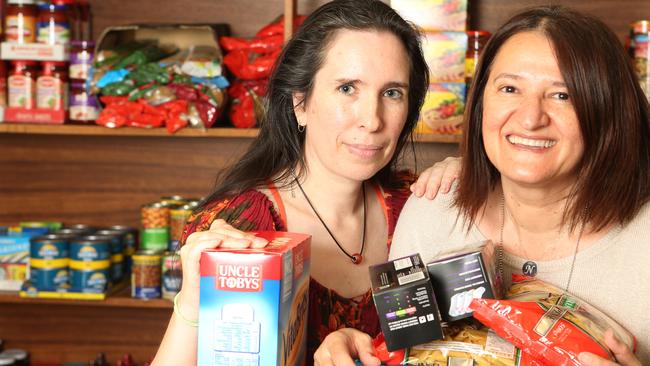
(21, 84)
(52, 86)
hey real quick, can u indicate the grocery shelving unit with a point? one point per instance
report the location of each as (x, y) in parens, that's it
(100, 176)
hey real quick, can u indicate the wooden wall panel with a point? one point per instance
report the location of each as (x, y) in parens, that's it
(102, 180)
(247, 16)
(77, 333)
(489, 14)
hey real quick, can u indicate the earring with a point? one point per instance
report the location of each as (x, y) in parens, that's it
(301, 127)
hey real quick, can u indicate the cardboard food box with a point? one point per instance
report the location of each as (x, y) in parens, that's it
(253, 303)
(442, 110)
(434, 15)
(408, 313)
(461, 277)
(444, 53)
(14, 258)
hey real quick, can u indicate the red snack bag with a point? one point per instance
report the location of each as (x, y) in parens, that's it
(387, 357)
(246, 65)
(277, 27)
(550, 334)
(256, 45)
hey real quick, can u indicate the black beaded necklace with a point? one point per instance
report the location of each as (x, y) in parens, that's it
(356, 258)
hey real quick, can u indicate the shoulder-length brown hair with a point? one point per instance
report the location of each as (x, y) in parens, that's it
(614, 174)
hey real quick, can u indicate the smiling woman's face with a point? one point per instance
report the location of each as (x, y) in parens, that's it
(530, 129)
(358, 105)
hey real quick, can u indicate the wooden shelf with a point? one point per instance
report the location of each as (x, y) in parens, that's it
(94, 130)
(446, 139)
(120, 299)
(224, 132)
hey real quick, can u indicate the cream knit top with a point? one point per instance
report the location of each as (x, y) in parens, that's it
(612, 274)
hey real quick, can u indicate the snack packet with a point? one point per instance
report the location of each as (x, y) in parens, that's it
(551, 334)
(525, 288)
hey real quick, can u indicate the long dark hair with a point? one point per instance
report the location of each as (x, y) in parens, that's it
(278, 149)
(613, 179)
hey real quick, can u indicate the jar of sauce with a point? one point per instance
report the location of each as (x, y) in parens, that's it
(20, 21)
(21, 84)
(81, 59)
(53, 24)
(83, 106)
(52, 86)
(476, 40)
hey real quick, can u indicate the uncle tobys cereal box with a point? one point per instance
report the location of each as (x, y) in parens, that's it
(253, 303)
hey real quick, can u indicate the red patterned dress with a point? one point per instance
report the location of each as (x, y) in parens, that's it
(328, 311)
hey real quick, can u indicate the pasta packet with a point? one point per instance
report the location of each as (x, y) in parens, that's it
(550, 333)
(466, 344)
(525, 288)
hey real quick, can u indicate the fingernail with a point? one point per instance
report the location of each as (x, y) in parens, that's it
(259, 241)
(585, 357)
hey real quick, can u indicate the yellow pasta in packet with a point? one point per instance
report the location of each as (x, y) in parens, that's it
(465, 344)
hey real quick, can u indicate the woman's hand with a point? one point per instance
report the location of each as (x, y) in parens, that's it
(623, 354)
(220, 234)
(437, 178)
(340, 347)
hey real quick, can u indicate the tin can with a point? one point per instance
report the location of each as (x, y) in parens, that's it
(70, 232)
(145, 275)
(177, 218)
(117, 253)
(171, 275)
(155, 226)
(90, 263)
(86, 229)
(130, 239)
(173, 200)
(48, 261)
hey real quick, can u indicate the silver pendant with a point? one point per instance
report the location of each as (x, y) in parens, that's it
(529, 269)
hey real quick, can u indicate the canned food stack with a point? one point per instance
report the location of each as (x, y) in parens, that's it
(444, 46)
(156, 267)
(37, 43)
(79, 259)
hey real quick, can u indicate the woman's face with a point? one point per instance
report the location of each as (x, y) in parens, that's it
(530, 129)
(358, 105)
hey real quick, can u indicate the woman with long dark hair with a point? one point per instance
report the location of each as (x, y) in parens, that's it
(341, 105)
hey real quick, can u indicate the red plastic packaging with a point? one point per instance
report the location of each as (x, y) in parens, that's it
(277, 27)
(246, 65)
(387, 357)
(538, 329)
(256, 45)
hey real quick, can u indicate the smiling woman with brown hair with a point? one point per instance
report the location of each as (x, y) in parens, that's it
(556, 168)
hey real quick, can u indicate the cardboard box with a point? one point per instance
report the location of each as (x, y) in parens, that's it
(434, 15)
(35, 115)
(14, 258)
(253, 303)
(459, 278)
(442, 110)
(34, 51)
(444, 53)
(404, 299)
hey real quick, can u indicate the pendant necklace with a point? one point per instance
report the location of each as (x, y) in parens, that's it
(356, 258)
(529, 268)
